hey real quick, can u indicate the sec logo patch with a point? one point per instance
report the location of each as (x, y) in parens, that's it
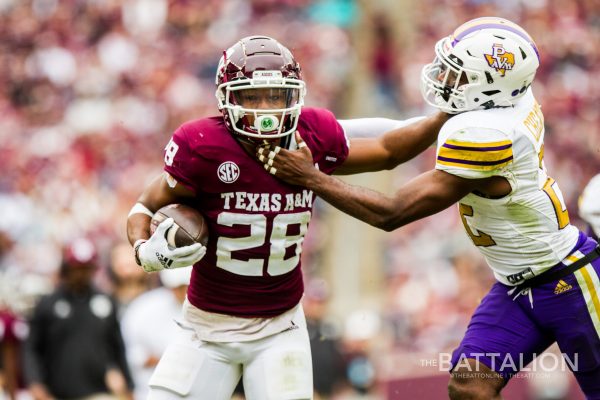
(228, 172)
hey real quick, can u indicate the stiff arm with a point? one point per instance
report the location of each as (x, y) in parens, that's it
(427, 194)
(389, 142)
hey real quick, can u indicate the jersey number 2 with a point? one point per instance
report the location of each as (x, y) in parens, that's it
(558, 203)
(279, 243)
(483, 239)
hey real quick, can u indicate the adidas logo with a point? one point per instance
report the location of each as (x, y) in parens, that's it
(165, 261)
(562, 287)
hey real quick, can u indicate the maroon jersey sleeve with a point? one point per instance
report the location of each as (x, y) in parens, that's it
(182, 159)
(325, 138)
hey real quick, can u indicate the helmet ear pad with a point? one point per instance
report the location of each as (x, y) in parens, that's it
(259, 62)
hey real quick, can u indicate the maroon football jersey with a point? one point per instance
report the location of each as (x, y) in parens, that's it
(256, 222)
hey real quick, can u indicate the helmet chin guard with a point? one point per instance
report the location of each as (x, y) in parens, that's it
(260, 91)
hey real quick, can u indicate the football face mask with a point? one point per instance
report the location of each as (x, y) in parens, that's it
(259, 89)
(265, 107)
(444, 83)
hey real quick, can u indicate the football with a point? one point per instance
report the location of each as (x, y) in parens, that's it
(190, 226)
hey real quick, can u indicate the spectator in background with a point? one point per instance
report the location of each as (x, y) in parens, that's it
(75, 349)
(128, 280)
(327, 358)
(362, 334)
(149, 323)
(589, 206)
(13, 332)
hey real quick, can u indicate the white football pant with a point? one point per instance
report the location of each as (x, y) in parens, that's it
(278, 367)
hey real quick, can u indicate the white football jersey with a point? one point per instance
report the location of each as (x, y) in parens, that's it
(527, 231)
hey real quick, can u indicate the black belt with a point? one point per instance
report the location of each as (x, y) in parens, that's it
(551, 276)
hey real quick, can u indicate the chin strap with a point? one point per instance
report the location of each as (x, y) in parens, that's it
(286, 141)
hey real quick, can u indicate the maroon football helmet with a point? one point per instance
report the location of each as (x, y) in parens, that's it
(259, 89)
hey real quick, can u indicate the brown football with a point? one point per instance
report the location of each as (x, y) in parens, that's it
(190, 226)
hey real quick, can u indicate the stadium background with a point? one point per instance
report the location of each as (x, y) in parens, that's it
(91, 91)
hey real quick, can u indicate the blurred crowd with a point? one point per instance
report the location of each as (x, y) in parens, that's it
(92, 89)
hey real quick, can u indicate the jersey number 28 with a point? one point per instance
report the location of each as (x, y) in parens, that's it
(279, 243)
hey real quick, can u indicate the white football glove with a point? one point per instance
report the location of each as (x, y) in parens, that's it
(155, 253)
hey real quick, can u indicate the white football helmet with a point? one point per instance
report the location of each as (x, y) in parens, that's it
(487, 62)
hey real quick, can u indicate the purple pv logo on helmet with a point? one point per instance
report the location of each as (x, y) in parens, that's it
(228, 172)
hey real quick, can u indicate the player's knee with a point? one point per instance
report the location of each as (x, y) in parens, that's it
(463, 387)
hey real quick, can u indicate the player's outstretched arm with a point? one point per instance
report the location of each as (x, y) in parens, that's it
(425, 195)
(393, 147)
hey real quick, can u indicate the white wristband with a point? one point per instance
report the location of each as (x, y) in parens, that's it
(139, 208)
(139, 241)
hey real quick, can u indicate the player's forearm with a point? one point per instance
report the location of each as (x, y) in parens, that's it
(424, 195)
(156, 195)
(373, 127)
(138, 227)
(364, 204)
(399, 145)
(138, 221)
(411, 140)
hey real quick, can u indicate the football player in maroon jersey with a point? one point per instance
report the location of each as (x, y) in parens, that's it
(243, 312)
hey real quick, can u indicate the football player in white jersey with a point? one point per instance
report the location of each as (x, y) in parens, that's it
(490, 161)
